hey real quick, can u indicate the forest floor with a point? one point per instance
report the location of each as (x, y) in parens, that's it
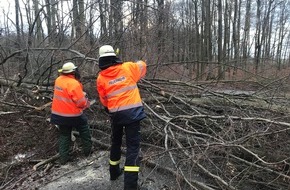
(196, 136)
(89, 173)
(27, 138)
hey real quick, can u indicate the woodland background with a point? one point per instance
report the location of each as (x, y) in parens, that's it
(216, 91)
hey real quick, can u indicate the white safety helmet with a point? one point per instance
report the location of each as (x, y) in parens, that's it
(106, 50)
(67, 68)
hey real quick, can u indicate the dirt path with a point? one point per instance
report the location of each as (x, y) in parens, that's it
(92, 173)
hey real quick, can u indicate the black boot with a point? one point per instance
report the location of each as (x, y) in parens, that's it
(115, 172)
(137, 187)
(131, 187)
(131, 181)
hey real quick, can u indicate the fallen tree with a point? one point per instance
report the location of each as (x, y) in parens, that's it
(206, 138)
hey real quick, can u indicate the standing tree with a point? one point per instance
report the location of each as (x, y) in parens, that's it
(198, 43)
(281, 34)
(207, 37)
(79, 18)
(116, 23)
(51, 14)
(37, 27)
(17, 24)
(246, 33)
(258, 45)
(236, 34)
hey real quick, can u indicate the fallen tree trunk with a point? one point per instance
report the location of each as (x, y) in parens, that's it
(206, 138)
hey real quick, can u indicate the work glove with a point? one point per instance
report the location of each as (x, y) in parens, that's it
(88, 102)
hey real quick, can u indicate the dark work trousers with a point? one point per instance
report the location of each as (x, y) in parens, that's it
(65, 141)
(132, 133)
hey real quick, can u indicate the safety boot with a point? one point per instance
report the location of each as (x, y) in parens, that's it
(137, 187)
(131, 181)
(115, 172)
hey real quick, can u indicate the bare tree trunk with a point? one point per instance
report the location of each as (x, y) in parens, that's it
(17, 25)
(82, 19)
(38, 27)
(30, 25)
(268, 40)
(265, 32)
(48, 17)
(236, 34)
(59, 21)
(143, 25)
(281, 35)
(222, 50)
(226, 51)
(57, 31)
(191, 38)
(197, 52)
(208, 38)
(91, 23)
(246, 33)
(160, 24)
(202, 36)
(51, 20)
(78, 18)
(116, 8)
(258, 37)
(103, 27)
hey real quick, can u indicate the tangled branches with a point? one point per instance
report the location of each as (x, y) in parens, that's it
(206, 137)
(217, 140)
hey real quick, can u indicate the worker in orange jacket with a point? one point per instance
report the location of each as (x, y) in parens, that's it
(119, 94)
(69, 101)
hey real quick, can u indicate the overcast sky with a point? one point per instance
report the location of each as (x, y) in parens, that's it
(7, 13)
(7, 5)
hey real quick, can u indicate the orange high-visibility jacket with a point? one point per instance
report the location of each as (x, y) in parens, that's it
(68, 99)
(118, 90)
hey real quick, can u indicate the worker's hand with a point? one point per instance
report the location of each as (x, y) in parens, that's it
(88, 104)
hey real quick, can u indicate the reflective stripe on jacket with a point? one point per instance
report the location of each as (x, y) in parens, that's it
(68, 99)
(118, 90)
